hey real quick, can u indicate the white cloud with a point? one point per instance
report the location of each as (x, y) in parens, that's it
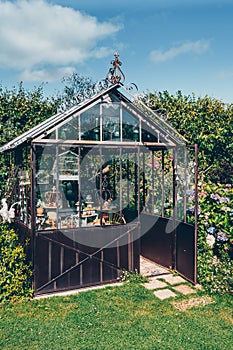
(45, 75)
(36, 36)
(197, 47)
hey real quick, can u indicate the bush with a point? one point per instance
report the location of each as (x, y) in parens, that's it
(215, 237)
(15, 282)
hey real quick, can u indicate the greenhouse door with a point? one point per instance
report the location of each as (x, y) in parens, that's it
(172, 241)
(185, 251)
(175, 250)
(185, 234)
(156, 245)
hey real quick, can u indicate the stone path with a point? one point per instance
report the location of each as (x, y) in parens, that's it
(164, 284)
(149, 268)
(169, 285)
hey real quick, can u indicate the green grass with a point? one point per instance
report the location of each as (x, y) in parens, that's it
(124, 317)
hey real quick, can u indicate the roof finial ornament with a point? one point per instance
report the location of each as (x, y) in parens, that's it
(115, 74)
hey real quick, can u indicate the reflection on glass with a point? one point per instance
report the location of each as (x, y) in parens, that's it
(69, 131)
(148, 136)
(51, 135)
(130, 127)
(90, 124)
(111, 121)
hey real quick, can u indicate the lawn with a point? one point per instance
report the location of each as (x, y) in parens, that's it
(123, 317)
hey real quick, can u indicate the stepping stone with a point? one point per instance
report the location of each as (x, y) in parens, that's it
(164, 294)
(184, 289)
(155, 284)
(174, 279)
(150, 268)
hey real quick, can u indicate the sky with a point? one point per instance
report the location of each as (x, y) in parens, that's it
(168, 45)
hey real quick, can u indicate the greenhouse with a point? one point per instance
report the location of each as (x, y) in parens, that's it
(98, 185)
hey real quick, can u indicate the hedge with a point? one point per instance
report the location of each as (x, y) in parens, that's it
(15, 272)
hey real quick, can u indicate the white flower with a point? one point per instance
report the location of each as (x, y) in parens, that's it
(210, 240)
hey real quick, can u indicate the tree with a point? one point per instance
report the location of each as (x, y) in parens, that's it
(77, 84)
(203, 120)
(20, 110)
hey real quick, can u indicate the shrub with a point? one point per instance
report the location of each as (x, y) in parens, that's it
(15, 272)
(215, 237)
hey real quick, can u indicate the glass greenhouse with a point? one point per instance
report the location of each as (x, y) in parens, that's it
(100, 184)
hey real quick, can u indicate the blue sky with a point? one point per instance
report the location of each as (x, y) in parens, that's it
(163, 44)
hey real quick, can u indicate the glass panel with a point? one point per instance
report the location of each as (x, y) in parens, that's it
(148, 135)
(67, 175)
(190, 185)
(21, 198)
(69, 131)
(90, 124)
(89, 200)
(168, 183)
(130, 127)
(45, 157)
(111, 121)
(18, 186)
(56, 186)
(51, 135)
(154, 178)
(181, 183)
(82, 186)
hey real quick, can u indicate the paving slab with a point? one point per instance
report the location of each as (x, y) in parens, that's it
(171, 279)
(184, 289)
(150, 268)
(164, 294)
(155, 284)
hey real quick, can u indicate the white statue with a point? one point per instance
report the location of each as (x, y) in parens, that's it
(6, 214)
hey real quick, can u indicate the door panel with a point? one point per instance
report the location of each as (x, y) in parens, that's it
(176, 250)
(186, 251)
(156, 244)
(61, 263)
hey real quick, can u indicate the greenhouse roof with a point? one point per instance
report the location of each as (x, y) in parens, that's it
(41, 128)
(150, 118)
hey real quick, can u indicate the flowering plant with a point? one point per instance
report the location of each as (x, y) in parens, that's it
(215, 237)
